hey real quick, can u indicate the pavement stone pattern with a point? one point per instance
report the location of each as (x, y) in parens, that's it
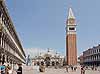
(63, 71)
(30, 70)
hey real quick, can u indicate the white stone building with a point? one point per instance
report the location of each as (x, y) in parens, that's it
(49, 58)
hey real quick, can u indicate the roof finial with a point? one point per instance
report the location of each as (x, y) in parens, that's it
(71, 14)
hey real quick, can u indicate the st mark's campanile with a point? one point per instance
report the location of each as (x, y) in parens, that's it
(71, 44)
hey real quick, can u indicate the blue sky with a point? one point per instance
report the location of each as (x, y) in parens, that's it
(41, 23)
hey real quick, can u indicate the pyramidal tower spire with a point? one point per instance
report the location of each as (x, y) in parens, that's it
(71, 14)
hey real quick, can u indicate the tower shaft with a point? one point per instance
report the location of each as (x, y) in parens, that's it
(71, 42)
(71, 49)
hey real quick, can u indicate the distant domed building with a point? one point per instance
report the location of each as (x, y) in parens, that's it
(49, 58)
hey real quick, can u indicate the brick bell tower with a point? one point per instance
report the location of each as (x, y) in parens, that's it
(71, 46)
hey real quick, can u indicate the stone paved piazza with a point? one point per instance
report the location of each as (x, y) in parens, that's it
(29, 70)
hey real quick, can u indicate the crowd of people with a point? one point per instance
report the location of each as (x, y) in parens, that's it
(73, 68)
(82, 68)
(6, 69)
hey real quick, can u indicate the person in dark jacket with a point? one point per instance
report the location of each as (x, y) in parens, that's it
(19, 70)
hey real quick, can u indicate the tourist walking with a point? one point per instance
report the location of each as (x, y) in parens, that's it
(15, 67)
(9, 70)
(42, 68)
(75, 68)
(19, 70)
(2, 69)
(67, 68)
(82, 70)
(72, 68)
